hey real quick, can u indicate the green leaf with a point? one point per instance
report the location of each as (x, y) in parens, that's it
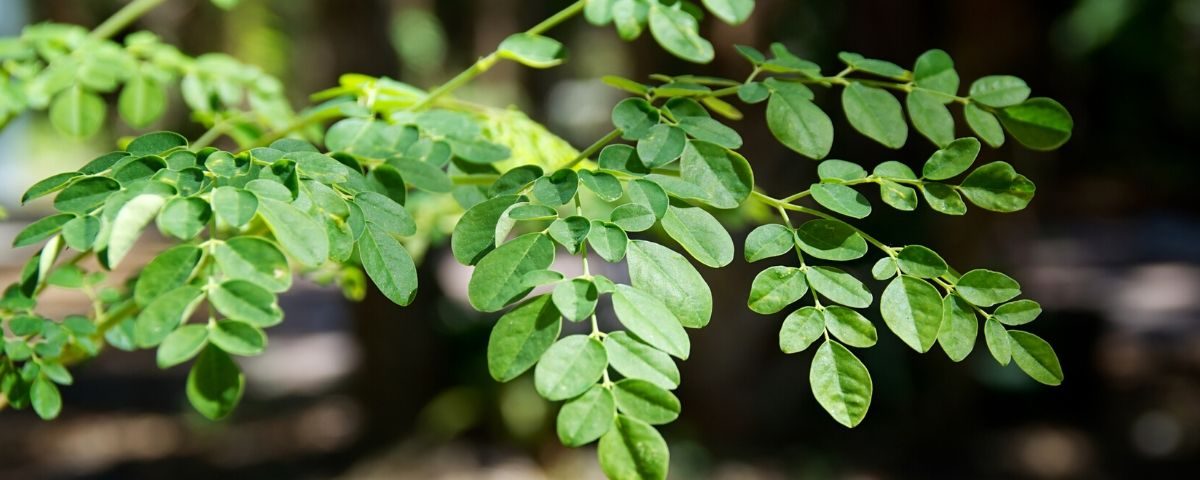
(753, 92)
(169, 270)
(81, 232)
(633, 358)
(215, 384)
(571, 232)
(56, 372)
(184, 218)
(912, 309)
(775, 288)
(297, 232)
(661, 145)
(245, 301)
(831, 240)
(839, 287)
(841, 199)
(997, 187)
(700, 234)
(873, 66)
(496, 281)
(800, 329)
(930, 116)
(1017, 312)
(634, 117)
(733, 12)
(723, 177)
(423, 175)
(238, 338)
(669, 277)
(587, 417)
(521, 336)
(986, 288)
(622, 158)
(875, 113)
(389, 265)
(649, 319)
(532, 50)
(1038, 123)
(632, 449)
(557, 188)
(77, 112)
(475, 233)
(841, 383)
(678, 32)
(181, 345)
(255, 260)
(997, 341)
(840, 170)
(921, 262)
(850, 327)
(576, 299)
(934, 70)
(608, 240)
(26, 325)
(898, 196)
(569, 367)
(894, 170)
(385, 213)
(128, 225)
(49, 185)
(633, 217)
(515, 180)
(85, 195)
(321, 167)
(952, 160)
(709, 130)
(603, 184)
(884, 269)
(799, 124)
(984, 124)
(156, 143)
(999, 91)
(943, 198)
(1035, 357)
(767, 241)
(959, 329)
(41, 229)
(44, 397)
(650, 195)
(234, 206)
(598, 13)
(142, 101)
(646, 401)
(166, 312)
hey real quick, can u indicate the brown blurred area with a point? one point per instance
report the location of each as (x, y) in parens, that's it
(1110, 247)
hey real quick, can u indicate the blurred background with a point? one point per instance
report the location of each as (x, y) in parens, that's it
(1110, 247)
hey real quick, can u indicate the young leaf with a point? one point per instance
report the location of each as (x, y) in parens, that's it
(587, 417)
(930, 116)
(986, 288)
(912, 309)
(800, 329)
(650, 195)
(521, 336)
(840, 170)
(951, 160)
(943, 198)
(799, 124)
(775, 288)
(234, 206)
(215, 384)
(934, 70)
(959, 329)
(1035, 357)
(733, 12)
(841, 383)
(708, 130)
(875, 113)
(632, 449)
(557, 188)
(650, 320)
(678, 32)
(389, 265)
(839, 287)
(700, 234)
(850, 327)
(885, 268)
(898, 196)
(633, 217)
(841, 199)
(532, 50)
(496, 281)
(569, 367)
(668, 276)
(875, 67)
(646, 401)
(181, 345)
(723, 177)
(142, 101)
(633, 358)
(603, 184)
(767, 241)
(831, 240)
(570, 232)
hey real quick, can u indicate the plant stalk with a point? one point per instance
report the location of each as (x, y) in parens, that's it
(123, 18)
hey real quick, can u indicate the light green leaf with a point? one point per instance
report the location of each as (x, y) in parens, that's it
(800, 329)
(245, 301)
(767, 241)
(587, 417)
(475, 233)
(181, 345)
(831, 240)
(632, 449)
(661, 145)
(943, 198)
(700, 234)
(1038, 123)
(841, 199)
(799, 124)
(875, 67)
(128, 225)
(156, 143)
(733, 12)
(532, 50)
(255, 260)
(884, 269)
(775, 288)
(234, 206)
(598, 13)
(952, 160)
(238, 338)
(997, 341)
(44, 397)
(912, 309)
(646, 401)
(723, 177)
(875, 113)
(569, 367)
(930, 116)
(678, 32)
(708, 130)
(557, 188)
(898, 196)
(986, 288)
(570, 232)
(850, 327)
(921, 262)
(389, 265)
(1035, 357)
(647, 318)
(385, 213)
(423, 175)
(496, 281)
(934, 70)
(515, 180)
(142, 101)
(166, 312)
(169, 270)
(997, 187)
(298, 233)
(215, 384)
(959, 329)
(576, 299)
(184, 218)
(668, 276)
(521, 336)
(1017, 312)
(634, 117)
(633, 217)
(984, 124)
(633, 358)
(840, 170)
(608, 240)
(841, 383)
(650, 195)
(839, 287)
(77, 112)
(999, 91)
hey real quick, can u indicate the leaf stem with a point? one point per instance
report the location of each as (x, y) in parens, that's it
(817, 213)
(592, 149)
(125, 16)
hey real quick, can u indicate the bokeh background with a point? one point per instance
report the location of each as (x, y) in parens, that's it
(1110, 247)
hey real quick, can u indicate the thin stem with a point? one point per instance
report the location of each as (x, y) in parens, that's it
(817, 213)
(592, 149)
(209, 136)
(125, 16)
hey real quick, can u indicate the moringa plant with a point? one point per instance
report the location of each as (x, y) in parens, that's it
(372, 190)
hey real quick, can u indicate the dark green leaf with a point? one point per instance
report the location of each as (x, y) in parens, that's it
(840, 170)
(930, 116)
(299, 235)
(934, 70)
(634, 117)
(181, 345)
(633, 217)
(921, 262)
(85, 195)
(800, 329)
(603, 184)
(943, 198)
(952, 160)
(557, 188)
(661, 145)
(238, 338)
(255, 260)
(496, 281)
(1039, 123)
(166, 312)
(875, 113)
(389, 265)
(570, 232)
(41, 229)
(44, 397)
(841, 199)
(997, 187)
(169, 270)
(245, 301)
(608, 240)
(576, 299)
(184, 218)
(215, 384)
(49, 185)
(475, 233)
(799, 124)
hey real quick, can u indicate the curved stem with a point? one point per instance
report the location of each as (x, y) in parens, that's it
(592, 149)
(775, 202)
(123, 18)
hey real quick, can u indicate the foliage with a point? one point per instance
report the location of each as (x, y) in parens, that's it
(245, 221)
